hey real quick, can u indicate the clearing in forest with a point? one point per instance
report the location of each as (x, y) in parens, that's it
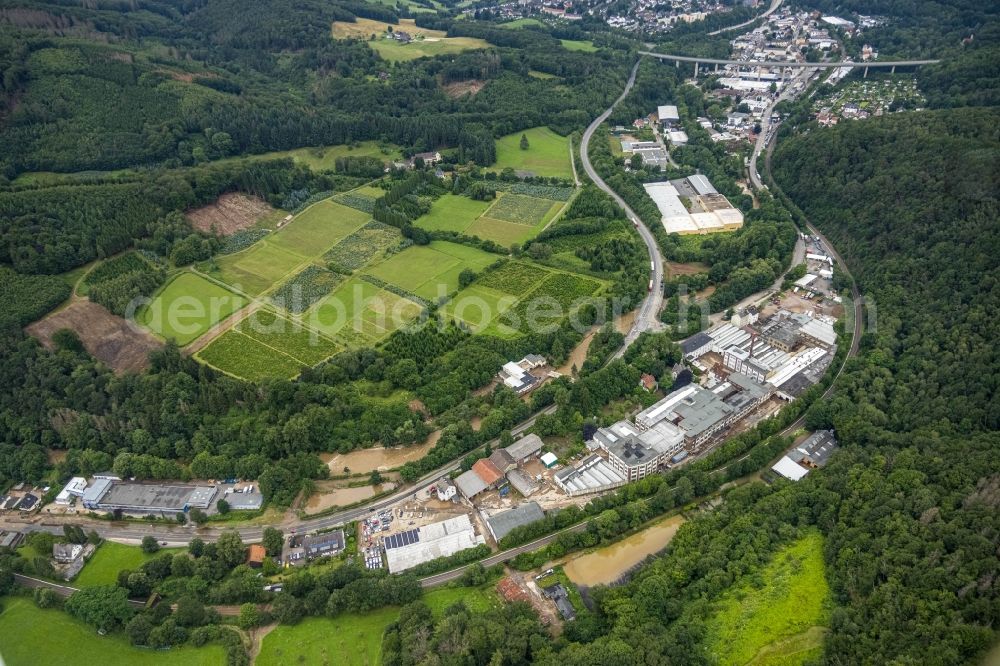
(781, 622)
(547, 153)
(423, 41)
(106, 336)
(230, 213)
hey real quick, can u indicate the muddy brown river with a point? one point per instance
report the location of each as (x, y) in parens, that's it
(606, 565)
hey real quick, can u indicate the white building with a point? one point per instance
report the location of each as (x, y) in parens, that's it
(408, 549)
(75, 488)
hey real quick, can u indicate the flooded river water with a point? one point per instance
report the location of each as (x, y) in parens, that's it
(606, 565)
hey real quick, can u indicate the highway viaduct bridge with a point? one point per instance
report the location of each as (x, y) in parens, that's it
(791, 64)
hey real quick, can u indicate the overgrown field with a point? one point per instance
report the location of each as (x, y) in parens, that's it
(310, 285)
(547, 153)
(187, 307)
(780, 622)
(367, 243)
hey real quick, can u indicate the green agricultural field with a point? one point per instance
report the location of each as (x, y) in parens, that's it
(265, 345)
(782, 622)
(541, 75)
(244, 357)
(276, 256)
(576, 45)
(393, 51)
(187, 306)
(452, 212)
(110, 558)
(257, 268)
(30, 636)
(563, 289)
(478, 306)
(318, 227)
(310, 285)
(430, 270)
(547, 153)
(477, 599)
(360, 312)
(345, 640)
(522, 209)
(514, 277)
(367, 243)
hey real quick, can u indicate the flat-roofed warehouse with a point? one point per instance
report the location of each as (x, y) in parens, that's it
(591, 475)
(431, 542)
(501, 524)
(154, 498)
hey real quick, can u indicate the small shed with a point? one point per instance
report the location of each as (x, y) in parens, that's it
(549, 459)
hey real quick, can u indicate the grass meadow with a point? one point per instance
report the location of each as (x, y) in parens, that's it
(187, 307)
(110, 558)
(577, 45)
(31, 636)
(354, 639)
(547, 153)
(452, 212)
(360, 312)
(431, 270)
(511, 218)
(781, 622)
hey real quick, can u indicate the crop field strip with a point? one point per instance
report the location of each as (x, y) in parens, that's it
(308, 286)
(520, 209)
(255, 349)
(430, 270)
(360, 312)
(363, 245)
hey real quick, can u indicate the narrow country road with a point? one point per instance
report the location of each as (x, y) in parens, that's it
(647, 318)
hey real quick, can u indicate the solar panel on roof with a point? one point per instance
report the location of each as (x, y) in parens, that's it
(402, 539)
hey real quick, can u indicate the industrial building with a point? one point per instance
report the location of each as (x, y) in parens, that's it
(501, 524)
(706, 210)
(700, 413)
(10, 539)
(146, 498)
(635, 451)
(668, 115)
(591, 475)
(408, 549)
(489, 473)
(245, 500)
(811, 454)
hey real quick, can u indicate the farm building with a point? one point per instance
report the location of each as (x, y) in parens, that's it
(525, 448)
(488, 472)
(501, 524)
(502, 460)
(549, 459)
(408, 549)
(521, 482)
(469, 484)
